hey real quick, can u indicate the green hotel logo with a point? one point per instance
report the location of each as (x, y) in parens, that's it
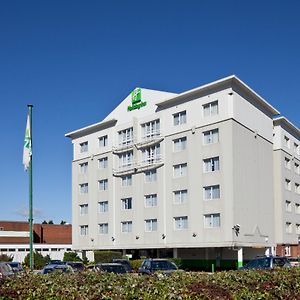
(136, 100)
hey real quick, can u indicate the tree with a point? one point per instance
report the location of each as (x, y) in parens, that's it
(44, 222)
(63, 222)
(71, 256)
(5, 257)
(39, 261)
(50, 222)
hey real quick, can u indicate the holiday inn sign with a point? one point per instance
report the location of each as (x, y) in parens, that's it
(136, 100)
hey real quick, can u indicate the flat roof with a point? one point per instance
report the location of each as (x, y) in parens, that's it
(285, 123)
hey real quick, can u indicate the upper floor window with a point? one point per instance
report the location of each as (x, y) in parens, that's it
(179, 118)
(287, 163)
(211, 192)
(150, 129)
(103, 228)
(297, 168)
(211, 136)
(296, 148)
(288, 227)
(211, 164)
(103, 184)
(151, 225)
(126, 136)
(180, 196)
(212, 220)
(151, 175)
(297, 188)
(126, 180)
(286, 141)
(181, 223)
(288, 206)
(83, 209)
(151, 154)
(83, 168)
(126, 203)
(287, 184)
(179, 144)
(103, 162)
(84, 147)
(297, 208)
(83, 188)
(84, 230)
(297, 228)
(180, 170)
(126, 159)
(126, 226)
(103, 141)
(210, 109)
(151, 200)
(103, 206)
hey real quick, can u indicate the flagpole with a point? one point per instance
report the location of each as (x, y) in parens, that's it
(30, 196)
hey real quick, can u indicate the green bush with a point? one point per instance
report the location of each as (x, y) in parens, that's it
(135, 264)
(4, 257)
(39, 261)
(71, 256)
(106, 256)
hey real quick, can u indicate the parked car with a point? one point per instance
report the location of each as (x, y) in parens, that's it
(5, 270)
(111, 268)
(123, 262)
(294, 261)
(16, 266)
(152, 265)
(77, 266)
(267, 262)
(56, 268)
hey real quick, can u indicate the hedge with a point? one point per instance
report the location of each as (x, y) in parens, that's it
(106, 256)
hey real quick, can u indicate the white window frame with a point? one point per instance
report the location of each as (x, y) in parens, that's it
(126, 203)
(150, 129)
(179, 118)
(211, 164)
(297, 208)
(211, 109)
(84, 147)
(103, 184)
(103, 228)
(150, 225)
(297, 228)
(83, 168)
(103, 206)
(297, 168)
(126, 180)
(151, 176)
(288, 184)
(103, 162)
(125, 136)
(151, 154)
(179, 144)
(288, 206)
(287, 142)
(288, 227)
(213, 191)
(211, 136)
(83, 230)
(180, 196)
(212, 220)
(297, 188)
(150, 200)
(103, 141)
(180, 170)
(126, 159)
(181, 223)
(296, 149)
(83, 209)
(287, 163)
(126, 226)
(84, 188)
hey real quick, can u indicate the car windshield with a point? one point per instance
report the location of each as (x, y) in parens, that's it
(163, 265)
(115, 269)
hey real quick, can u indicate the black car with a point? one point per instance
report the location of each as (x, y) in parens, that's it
(77, 266)
(16, 266)
(152, 265)
(56, 269)
(123, 262)
(267, 263)
(110, 268)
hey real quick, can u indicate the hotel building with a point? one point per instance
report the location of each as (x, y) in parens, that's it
(196, 175)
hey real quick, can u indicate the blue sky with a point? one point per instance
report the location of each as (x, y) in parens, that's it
(76, 60)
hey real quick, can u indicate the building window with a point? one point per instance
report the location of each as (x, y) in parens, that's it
(212, 221)
(83, 168)
(83, 209)
(83, 188)
(126, 180)
(84, 147)
(179, 144)
(211, 136)
(103, 163)
(297, 188)
(296, 148)
(126, 226)
(212, 192)
(286, 141)
(84, 230)
(210, 109)
(180, 196)
(211, 164)
(151, 154)
(103, 206)
(297, 228)
(103, 185)
(297, 168)
(287, 184)
(287, 163)
(288, 227)
(179, 118)
(288, 206)
(103, 228)
(180, 170)
(126, 159)
(181, 223)
(297, 208)
(151, 225)
(151, 176)
(126, 136)
(151, 200)
(103, 141)
(126, 203)
(150, 129)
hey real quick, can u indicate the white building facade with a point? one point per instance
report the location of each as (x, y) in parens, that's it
(186, 175)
